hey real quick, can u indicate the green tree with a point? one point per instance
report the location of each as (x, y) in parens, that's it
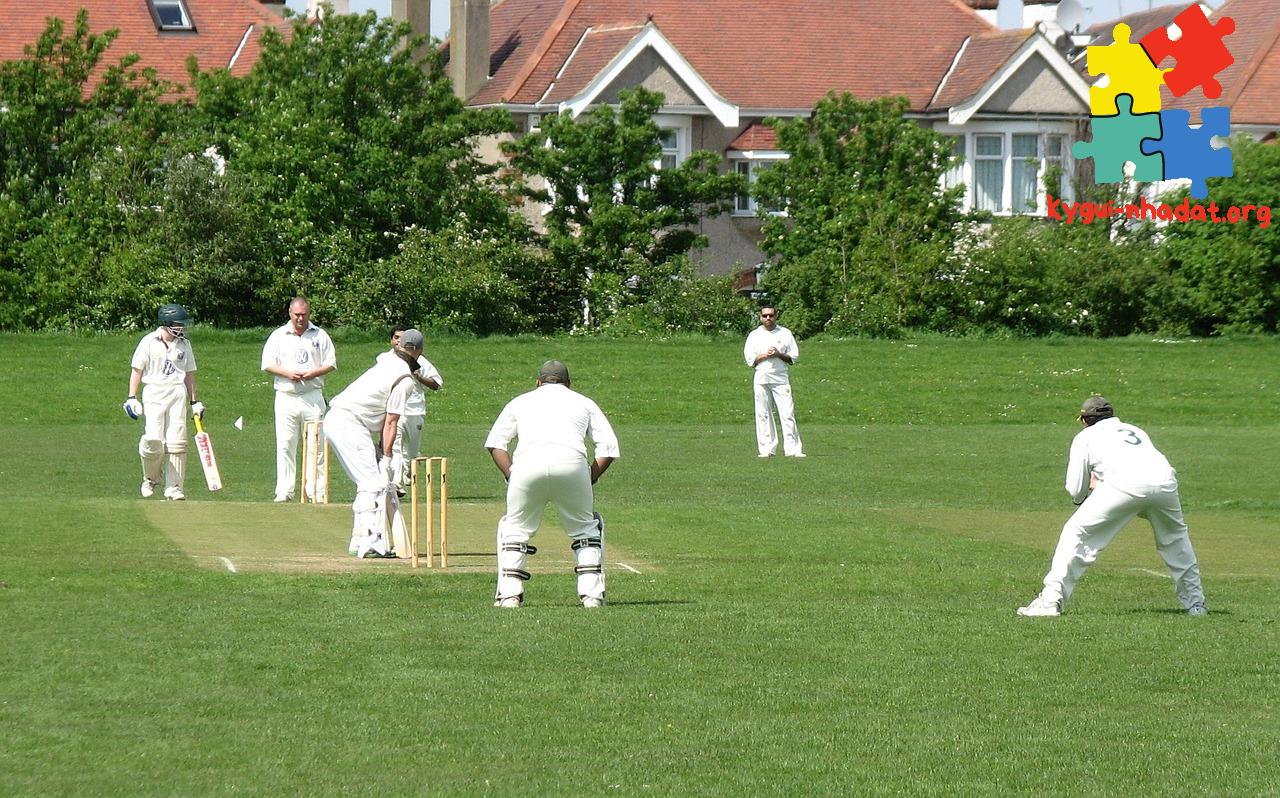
(866, 224)
(345, 141)
(1227, 276)
(619, 226)
(66, 115)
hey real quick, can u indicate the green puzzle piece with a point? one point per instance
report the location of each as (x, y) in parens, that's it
(1117, 139)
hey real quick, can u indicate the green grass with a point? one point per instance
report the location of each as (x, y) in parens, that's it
(838, 625)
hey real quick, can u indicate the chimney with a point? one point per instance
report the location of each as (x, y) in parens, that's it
(468, 46)
(339, 7)
(418, 14)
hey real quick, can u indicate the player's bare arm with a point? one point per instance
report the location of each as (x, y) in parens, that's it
(598, 467)
(502, 459)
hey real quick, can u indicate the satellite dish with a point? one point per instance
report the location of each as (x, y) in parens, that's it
(1070, 15)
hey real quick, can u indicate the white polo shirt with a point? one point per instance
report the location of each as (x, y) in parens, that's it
(771, 371)
(553, 423)
(163, 363)
(305, 352)
(1122, 456)
(417, 404)
(383, 389)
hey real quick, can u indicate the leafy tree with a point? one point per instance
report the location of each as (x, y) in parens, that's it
(65, 114)
(618, 225)
(345, 141)
(866, 222)
(1227, 276)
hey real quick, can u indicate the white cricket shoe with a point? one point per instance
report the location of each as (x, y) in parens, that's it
(148, 489)
(591, 603)
(1041, 607)
(1198, 609)
(372, 546)
(174, 494)
(281, 498)
(354, 545)
(798, 454)
(510, 602)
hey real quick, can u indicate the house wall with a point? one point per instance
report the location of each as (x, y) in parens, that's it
(651, 72)
(733, 241)
(1035, 89)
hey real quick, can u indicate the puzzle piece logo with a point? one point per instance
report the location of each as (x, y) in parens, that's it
(1127, 121)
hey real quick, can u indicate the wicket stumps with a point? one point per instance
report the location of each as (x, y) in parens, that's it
(314, 473)
(416, 467)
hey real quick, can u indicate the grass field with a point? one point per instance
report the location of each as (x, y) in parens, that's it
(842, 624)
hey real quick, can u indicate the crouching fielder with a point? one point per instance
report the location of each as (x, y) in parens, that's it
(1128, 477)
(371, 406)
(552, 424)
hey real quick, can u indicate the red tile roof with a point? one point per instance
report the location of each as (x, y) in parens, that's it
(755, 137)
(1251, 85)
(982, 58)
(1140, 23)
(220, 25)
(593, 53)
(779, 55)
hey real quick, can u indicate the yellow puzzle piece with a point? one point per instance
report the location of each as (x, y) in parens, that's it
(1130, 71)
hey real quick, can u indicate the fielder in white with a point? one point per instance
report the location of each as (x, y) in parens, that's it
(165, 365)
(552, 424)
(770, 350)
(372, 405)
(1128, 477)
(409, 429)
(298, 355)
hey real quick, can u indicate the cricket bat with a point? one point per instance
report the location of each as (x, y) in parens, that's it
(204, 447)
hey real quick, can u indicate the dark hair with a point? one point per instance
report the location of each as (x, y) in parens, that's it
(399, 328)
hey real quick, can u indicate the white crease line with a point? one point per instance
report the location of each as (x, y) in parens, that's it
(230, 565)
(628, 567)
(1153, 573)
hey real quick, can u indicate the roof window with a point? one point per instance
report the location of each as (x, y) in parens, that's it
(171, 14)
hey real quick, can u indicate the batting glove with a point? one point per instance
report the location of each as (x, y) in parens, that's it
(197, 410)
(133, 408)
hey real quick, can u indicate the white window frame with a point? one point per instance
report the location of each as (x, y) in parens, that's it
(1007, 129)
(186, 25)
(682, 126)
(753, 161)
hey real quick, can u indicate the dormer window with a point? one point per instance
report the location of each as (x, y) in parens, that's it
(171, 15)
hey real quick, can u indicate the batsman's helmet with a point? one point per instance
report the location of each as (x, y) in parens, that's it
(173, 313)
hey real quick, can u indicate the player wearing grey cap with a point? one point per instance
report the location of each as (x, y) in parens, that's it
(165, 366)
(372, 405)
(1115, 473)
(552, 424)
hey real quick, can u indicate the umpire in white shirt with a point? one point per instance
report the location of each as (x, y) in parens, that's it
(552, 424)
(770, 350)
(1115, 473)
(298, 355)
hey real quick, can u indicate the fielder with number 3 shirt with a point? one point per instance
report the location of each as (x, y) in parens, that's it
(372, 405)
(552, 424)
(1116, 473)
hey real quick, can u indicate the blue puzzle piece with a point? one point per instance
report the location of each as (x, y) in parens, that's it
(1188, 153)
(1117, 139)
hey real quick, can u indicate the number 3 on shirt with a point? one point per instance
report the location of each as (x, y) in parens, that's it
(1131, 437)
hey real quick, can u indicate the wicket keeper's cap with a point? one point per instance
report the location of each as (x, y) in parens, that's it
(554, 371)
(411, 339)
(1096, 407)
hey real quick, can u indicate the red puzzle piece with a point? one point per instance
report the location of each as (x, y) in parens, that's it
(1200, 53)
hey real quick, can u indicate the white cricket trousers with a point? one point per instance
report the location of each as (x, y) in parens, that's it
(408, 444)
(293, 410)
(164, 431)
(353, 446)
(1098, 520)
(534, 483)
(769, 395)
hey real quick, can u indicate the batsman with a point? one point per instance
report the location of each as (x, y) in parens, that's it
(165, 366)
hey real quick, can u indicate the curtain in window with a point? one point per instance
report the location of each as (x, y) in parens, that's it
(1026, 171)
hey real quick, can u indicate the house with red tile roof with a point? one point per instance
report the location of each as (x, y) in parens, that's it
(1010, 100)
(220, 34)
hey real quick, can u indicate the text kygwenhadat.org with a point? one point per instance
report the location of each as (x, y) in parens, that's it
(1142, 208)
